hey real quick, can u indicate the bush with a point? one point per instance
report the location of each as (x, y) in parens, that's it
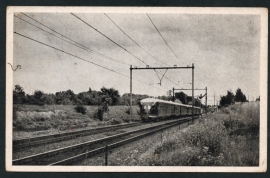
(126, 120)
(116, 121)
(15, 109)
(127, 111)
(226, 111)
(80, 109)
(233, 124)
(99, 113)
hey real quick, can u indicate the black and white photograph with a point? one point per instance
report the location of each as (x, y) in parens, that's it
(126, 89)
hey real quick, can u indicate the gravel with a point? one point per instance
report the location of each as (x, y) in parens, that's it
(131, 154)
(44, 148)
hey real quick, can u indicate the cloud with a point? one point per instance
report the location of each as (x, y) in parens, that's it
(220, 46)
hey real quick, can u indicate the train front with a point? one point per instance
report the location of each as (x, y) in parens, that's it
(147, 109)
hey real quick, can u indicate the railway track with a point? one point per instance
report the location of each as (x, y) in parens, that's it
(70, 154)
(41, 140)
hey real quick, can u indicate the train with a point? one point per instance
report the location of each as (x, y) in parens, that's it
(152, 109)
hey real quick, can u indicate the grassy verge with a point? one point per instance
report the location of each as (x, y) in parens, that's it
(229, 137)
(64, 117)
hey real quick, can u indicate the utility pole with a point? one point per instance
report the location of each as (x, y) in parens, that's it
(173, 94)
(214, 102)
(192, 91)
(206, 109)
(130, 93)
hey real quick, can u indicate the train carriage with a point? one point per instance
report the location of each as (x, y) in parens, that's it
(156, 109)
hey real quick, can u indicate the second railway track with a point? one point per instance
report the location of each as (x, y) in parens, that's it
(35, 141)
(67, 155)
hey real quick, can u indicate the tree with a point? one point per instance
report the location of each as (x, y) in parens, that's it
(182, 97)
(66, 97)
(111, 94)
(228, 99)
(239, 96)
(39, 97)
(80, 109)
(49, 98)
(18, 95)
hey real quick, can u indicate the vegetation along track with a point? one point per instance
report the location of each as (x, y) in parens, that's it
(41, 140)
(68, 155)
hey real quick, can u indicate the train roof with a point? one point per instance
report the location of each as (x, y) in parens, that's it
(153, 100)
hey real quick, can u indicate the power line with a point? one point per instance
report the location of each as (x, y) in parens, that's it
(51, 29)
(140, 47)
(70, 54)
(78, 57)
(114, 42)
(87, 47)
(79, 45)
(162, 36)
(132, 39)
(107, 38)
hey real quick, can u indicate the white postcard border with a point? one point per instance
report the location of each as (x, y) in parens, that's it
(263, 12)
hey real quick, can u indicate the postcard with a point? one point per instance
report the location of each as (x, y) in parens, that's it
(136, 89)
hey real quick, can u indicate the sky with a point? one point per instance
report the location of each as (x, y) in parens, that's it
(225, 50)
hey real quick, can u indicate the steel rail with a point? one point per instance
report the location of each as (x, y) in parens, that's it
(27, 159)
(34, 141)
(94, 152)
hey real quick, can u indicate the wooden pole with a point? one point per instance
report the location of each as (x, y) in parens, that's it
(130, 93)
(206, 101)
(192, 91)
(173, 94)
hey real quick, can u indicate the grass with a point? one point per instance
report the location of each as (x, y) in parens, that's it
(64, 117)
(227, 138)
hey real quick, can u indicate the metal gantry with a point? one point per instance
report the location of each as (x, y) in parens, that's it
(193, 95)
(167, 68)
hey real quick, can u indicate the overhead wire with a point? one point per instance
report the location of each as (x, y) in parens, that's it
(107, 38)
(82, 46)
(78, 57)
(114, 42)
(75, 43)
(69, 54)
(133, 40)
(85, 46)
(162, 36)
(51, 29)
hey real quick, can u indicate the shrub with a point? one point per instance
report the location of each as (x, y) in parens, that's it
(99, 113)
(80, 109)
(233, 124)
(15, 109)
(126, 120)
(127, 111)
(116, 121)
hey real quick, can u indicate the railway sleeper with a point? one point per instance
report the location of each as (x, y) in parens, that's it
(54, 152)
(100, 150)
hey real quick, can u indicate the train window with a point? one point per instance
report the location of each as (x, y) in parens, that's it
(144, 107)
(149, 106)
